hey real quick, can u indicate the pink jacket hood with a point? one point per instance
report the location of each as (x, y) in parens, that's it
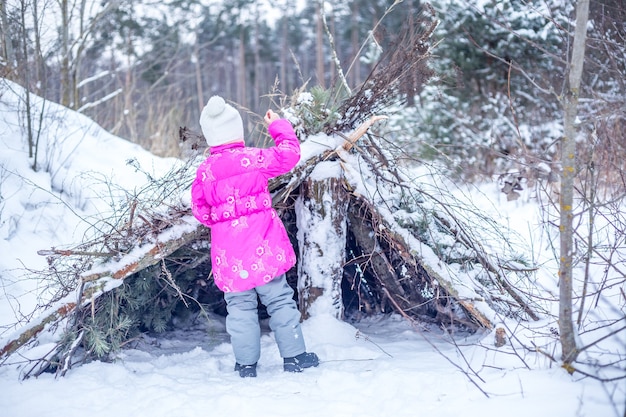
(249, 243)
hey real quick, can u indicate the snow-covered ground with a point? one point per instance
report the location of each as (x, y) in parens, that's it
(378, 367)
(384, 368)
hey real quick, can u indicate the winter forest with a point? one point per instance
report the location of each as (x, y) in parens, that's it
(457, 213)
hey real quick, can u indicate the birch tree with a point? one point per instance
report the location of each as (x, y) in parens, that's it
(568, 172)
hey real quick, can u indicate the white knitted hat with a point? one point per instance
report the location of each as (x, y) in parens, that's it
(220, 122)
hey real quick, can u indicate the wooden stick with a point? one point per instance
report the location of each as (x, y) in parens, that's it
(69, 252)
(360, 131)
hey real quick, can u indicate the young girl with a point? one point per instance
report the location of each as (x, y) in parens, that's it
(250, 249)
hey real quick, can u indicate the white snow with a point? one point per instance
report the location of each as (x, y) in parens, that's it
(379, 367)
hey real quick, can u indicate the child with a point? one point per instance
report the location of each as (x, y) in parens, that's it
(250, 249)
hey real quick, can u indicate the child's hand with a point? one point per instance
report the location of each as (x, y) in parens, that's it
(271, 116)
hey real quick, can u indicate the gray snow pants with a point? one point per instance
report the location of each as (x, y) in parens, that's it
(242, 322)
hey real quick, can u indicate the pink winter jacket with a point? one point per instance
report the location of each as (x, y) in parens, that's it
(249, 243)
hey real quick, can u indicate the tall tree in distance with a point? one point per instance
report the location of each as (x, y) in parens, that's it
(76, 32)
(64, 30)
(319, 51)
(8, 54)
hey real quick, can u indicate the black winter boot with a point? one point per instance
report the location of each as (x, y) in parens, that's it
(246, 371)
(300, 362)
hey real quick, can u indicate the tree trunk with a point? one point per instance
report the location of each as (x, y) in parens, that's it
(241, 70)
(568, 162)
(32, 149)
(65, 54)
(355, 74)
(322, 223)
(381, 266)
(334, 63)
(285, 85)
(410, 82)
(7, 47)
(319, 63)
(129, 113)
(256, 78)
(38, 58)
(198, 69)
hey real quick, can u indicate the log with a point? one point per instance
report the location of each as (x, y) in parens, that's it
(97, 283)
(69, 252)
(448, 286)
(30, 331)
(153, 254)
(378, 262)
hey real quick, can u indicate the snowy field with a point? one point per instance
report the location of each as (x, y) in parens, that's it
(378, 367)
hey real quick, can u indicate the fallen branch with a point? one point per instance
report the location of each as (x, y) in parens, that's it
(98, 284)
(154, 254)
(35, 327)
(462, 236)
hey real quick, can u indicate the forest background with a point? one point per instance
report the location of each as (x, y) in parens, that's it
(142, 69)
(492, 109)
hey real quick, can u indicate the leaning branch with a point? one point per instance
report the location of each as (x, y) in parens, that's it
(98, 283)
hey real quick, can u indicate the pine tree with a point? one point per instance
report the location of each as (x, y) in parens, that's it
(487, 55)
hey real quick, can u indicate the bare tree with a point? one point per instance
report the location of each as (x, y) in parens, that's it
(33, 129)
(568, 161)
(75, 14)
